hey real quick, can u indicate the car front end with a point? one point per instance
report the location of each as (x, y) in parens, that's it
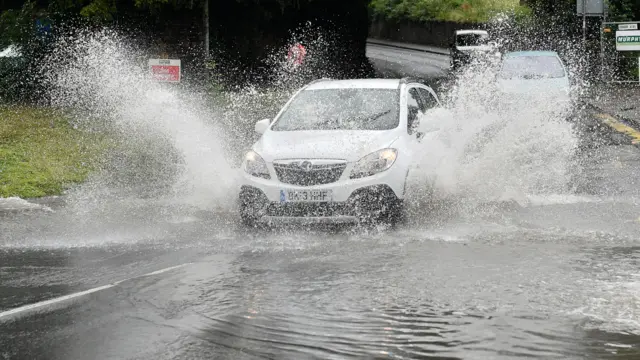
(321, 190)
(336, 153)
(534, 80)
(552, 96)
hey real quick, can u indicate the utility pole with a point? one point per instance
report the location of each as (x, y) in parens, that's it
(206, 41)
(584, 22)
(206, 29)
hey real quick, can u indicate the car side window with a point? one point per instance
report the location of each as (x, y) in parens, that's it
(415, 107)
(429, 101)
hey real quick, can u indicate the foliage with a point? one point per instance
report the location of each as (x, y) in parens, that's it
(16, 24)
(624, 10)
(41, 153)
(99, 9)
(445, 10)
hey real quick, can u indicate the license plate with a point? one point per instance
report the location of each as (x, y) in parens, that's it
(305, 195)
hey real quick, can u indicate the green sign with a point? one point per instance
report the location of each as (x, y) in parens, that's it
(628, 40)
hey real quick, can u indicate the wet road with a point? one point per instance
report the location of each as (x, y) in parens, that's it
(407, 62)
(555, 276)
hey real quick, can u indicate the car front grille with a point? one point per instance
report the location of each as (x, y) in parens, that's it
(309, 209)
(317, 174)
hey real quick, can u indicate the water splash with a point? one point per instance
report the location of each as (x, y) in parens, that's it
(172, 141)
(497, 147)
(179, 145)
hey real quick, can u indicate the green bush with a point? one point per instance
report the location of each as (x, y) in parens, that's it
(445, 10)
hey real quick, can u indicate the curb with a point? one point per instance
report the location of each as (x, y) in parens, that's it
(406, 46)
(635, 123)
(620, 124)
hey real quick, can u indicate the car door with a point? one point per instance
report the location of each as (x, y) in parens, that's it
(415, 110)
(429, 101)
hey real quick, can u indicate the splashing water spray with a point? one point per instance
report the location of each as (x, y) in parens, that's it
(96, 76)
(482, 153)
(495, 147)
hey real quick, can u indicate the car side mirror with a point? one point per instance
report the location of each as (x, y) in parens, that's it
(262, 126)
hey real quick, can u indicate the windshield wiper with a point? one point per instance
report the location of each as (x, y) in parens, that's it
(370, 118)
(376, 116)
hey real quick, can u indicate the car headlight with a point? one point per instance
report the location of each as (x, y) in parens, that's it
(254, 165)
(374, 163)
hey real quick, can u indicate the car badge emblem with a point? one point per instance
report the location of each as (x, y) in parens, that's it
(306, 166)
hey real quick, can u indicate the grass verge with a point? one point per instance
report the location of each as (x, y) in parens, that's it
(42, 154)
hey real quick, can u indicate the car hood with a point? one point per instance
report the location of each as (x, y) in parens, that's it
(524, 86)
(473, 49)
(538, 94)
(335, 144)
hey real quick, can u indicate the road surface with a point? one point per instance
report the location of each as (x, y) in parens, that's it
(431, 63)
(555, 276)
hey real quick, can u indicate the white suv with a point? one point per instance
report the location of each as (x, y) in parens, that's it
(338, 151)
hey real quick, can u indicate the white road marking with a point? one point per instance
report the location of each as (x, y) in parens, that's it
(46, 303)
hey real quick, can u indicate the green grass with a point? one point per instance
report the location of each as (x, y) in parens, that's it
(445, 10)
(41, 154)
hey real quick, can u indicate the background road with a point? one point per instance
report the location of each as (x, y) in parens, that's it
(555, 276)
(429, 64)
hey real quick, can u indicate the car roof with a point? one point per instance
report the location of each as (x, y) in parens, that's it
(530, 53)
(464, 32)
(355, 83)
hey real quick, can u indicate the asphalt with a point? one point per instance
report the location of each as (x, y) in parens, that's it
(152, 281)
(618, 100)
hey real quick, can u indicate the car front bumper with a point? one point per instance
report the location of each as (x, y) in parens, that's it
(351, 200)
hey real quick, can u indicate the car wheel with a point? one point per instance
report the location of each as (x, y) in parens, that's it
(252, 206)
(394, 214)
(391, 213)
(248, 216)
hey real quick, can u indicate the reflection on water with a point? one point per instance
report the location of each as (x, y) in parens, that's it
(401, 302)
(404, 293)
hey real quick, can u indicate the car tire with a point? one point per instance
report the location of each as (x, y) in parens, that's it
(251, 206)
(248, 215)
(392, 213)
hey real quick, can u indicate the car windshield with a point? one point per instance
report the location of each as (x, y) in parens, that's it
(341, 109)
(531, 67)
(471, 39)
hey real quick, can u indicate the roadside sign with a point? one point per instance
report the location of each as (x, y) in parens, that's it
(165, 70)
(628, 40)
(593, 7)
(628, 27)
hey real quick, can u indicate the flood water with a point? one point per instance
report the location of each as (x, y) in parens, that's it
(527, 247)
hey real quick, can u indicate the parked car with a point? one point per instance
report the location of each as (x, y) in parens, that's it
(541, 76)
(466, 45)
(338, 151)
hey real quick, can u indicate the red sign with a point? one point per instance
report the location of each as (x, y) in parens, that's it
(165, 70)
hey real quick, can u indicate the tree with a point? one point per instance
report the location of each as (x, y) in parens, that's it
(624, 10)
